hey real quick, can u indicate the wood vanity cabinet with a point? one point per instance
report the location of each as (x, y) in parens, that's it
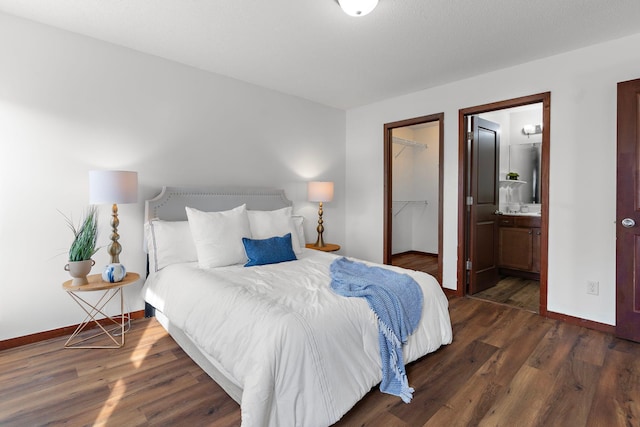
(519, 246)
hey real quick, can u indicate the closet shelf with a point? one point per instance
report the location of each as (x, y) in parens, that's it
(511, 182)
(407, 143)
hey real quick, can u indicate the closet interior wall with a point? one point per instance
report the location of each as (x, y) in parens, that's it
(415, 188)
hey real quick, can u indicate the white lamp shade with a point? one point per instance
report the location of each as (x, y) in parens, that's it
(357, 7)
(113, 187)
(320, 191)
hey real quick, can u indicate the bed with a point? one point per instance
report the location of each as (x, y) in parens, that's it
(275, 337)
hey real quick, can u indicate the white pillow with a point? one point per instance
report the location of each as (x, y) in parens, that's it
(266, 224)
(218, 236)
(298, 223)
(169, 242)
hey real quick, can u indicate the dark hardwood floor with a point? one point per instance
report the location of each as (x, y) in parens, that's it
(514, 291)
(417, 261)
(505, 367)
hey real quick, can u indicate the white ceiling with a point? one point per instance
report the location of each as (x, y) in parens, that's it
(311, 49)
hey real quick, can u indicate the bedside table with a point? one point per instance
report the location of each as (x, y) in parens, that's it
(110, 291)
(328, 247)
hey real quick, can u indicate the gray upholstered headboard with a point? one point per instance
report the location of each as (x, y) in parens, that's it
(170, 203)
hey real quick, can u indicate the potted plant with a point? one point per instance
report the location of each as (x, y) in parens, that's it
(513, 176)
(83, 246)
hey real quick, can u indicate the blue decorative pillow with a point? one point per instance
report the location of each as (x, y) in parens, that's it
(268, 251)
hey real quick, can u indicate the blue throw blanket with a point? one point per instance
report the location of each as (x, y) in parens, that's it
(396, 299)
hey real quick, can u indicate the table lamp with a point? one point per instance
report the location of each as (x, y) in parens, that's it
(113, 187)
(319, 191)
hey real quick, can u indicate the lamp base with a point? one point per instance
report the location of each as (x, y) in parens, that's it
(320, 242)
(114, 248)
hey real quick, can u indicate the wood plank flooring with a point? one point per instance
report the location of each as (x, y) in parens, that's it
(514, 291)
(505, 367)
(417, 261)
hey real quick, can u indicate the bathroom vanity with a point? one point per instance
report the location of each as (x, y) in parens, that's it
(519, 246)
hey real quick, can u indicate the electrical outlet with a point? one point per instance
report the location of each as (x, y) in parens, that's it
(593, 287)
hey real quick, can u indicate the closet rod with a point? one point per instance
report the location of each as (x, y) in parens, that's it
(410, 143)
(405, 203)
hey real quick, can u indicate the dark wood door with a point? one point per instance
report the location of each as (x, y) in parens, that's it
(482, 204)
(628, 212)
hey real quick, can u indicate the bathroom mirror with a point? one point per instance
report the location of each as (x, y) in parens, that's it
(525, 160)
(520, 153)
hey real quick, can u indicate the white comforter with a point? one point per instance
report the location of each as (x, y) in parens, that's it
(302, 354)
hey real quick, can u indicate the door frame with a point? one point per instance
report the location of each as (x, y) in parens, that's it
(388, 182)
(545, 99)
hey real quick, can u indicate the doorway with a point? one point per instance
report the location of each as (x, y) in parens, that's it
(413, 158)
(503, 202)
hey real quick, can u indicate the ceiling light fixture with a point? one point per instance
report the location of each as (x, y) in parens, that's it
(357, 7)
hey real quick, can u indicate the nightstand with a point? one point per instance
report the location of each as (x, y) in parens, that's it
(328, 247)
(110, 291)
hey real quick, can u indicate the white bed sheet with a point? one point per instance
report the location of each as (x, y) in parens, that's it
(302, 354)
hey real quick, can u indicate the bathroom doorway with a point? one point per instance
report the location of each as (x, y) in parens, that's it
(413, 193)
(503, 202)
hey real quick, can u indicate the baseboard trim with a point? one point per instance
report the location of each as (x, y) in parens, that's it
(54, 333)
(450, 293)
(602, 327)
(577, 321)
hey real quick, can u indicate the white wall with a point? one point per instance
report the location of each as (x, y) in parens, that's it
(70, 104)
(583, 166)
